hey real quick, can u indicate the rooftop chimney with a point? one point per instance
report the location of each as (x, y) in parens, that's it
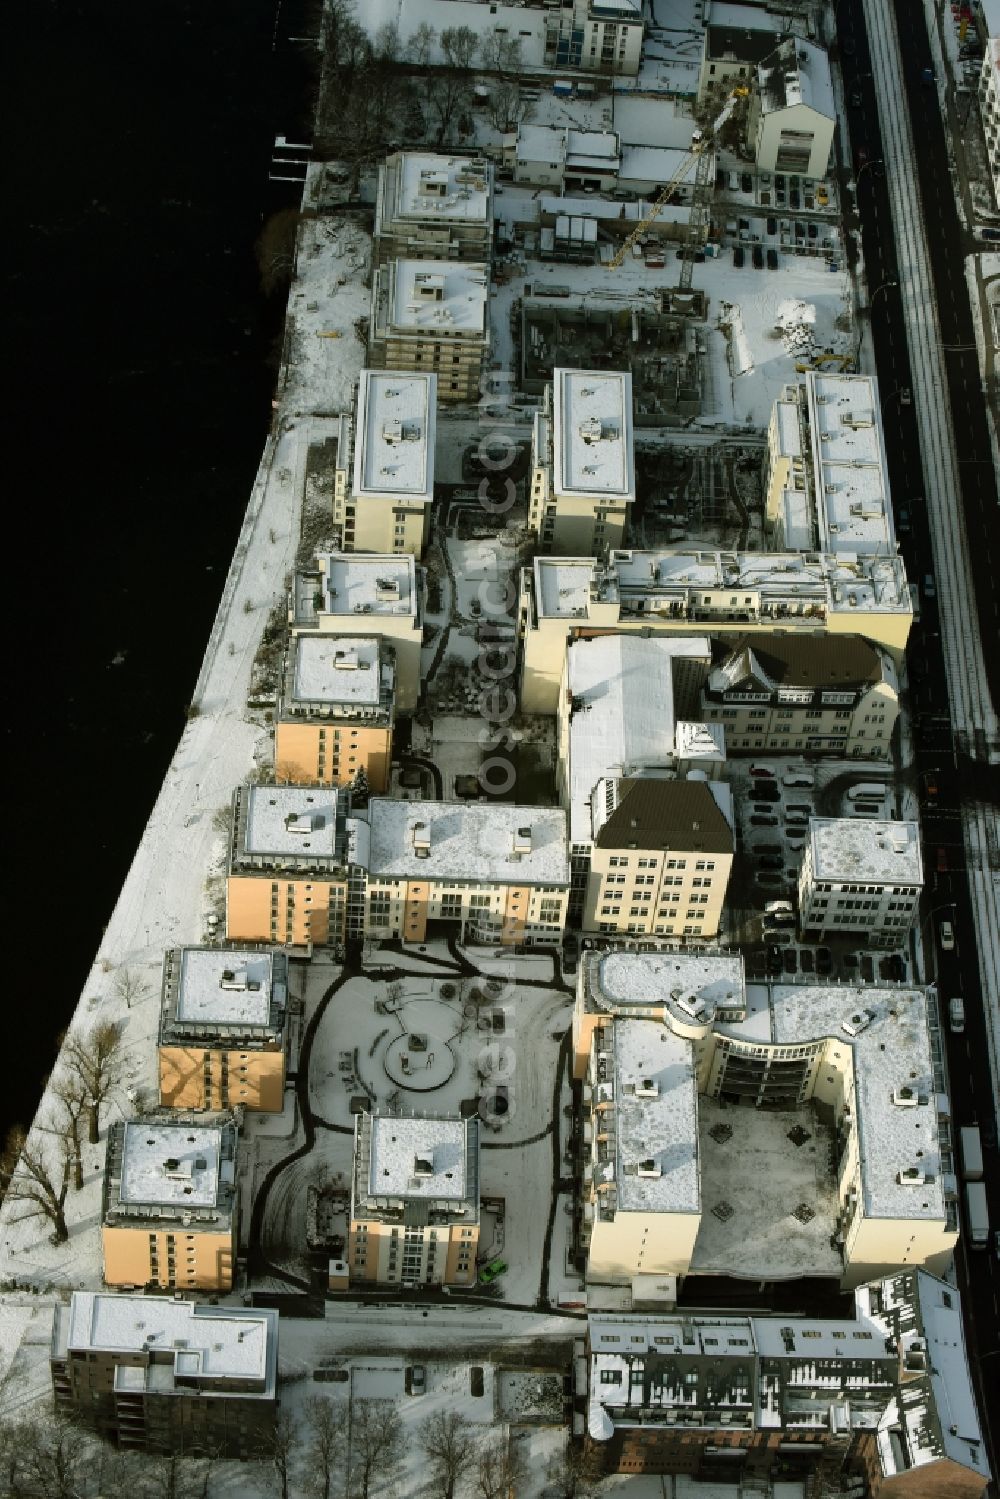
(522, 842)
(421, 840)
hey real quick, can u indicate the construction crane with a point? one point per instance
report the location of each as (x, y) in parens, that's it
(699, 153)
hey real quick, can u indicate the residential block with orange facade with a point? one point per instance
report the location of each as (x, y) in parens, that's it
(497, 872)
(415, 1200)
(335, 713)
(170, 1208)
(223, 1014)
(292, 858)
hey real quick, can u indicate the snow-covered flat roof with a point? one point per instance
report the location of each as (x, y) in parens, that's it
(858, 849)
(229, 1343)
(842, 584)
(468, 841)
(418, 1158)
(652, 163)
(224, 986)
(656, 1113)
(175, 1165)
(337, 669)
(740, 17)
(626, 979)
(439, 296)
(291, 820)
(622, 717)
(394, 443)
(850, 477)
(891, 1052)
(442, 187)
(368, 584)
(645, 121)
(592, 433)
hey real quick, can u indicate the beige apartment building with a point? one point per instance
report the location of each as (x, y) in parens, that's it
(365, 596)
(293, 861)
(385, 506)
(861, 878)
(170, 1209)
(158, 1374)
(430, 316)
(414, 1200)
(661, 859)
(702, 592)
(582, 463)
(695, 1122)
(434, 207)
(336, 711)
(826, 479)
(798, 694)
(498, 873)
(223, 1028)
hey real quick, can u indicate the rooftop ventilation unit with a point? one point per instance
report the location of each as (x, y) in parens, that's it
(648, 1167)
(647, 1087)
(234, 978)
(302, 822)
(858, 1022)
(346, 660)
(421, 840)
(905, 1098)
(423, 1165)
(911, 1177)
(522, 841)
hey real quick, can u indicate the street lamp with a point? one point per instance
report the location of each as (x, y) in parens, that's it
(875, 162)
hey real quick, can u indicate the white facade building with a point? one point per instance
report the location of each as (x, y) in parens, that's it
(989, 100)
(793, 113)
(434, 207)
(582, 463)
(860, 876)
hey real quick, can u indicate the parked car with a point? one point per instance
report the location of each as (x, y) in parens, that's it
(796, 809)
(766, 848)
(772, 259)
(779, 180)
(766, 791)
(857, 97)
(746, 183)
(824, 960)
(759, 820)
(791, 966)
(772, 861)
(812, 230)
(902, 520)
(738, 257)
(758, 258)
(807, 960)
(774, 960)
(946, 936)
(418, 1379)
(491, 1270)
(992, 234)
(763, 772)
(867, 968)
(794, 201)
(778, 938)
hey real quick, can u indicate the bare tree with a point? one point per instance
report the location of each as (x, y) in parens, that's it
(130, 986)
(421, 45)
(376, 1446)
(577, 1470)
(459, 45)
(500, 53)
(450, 1449)
(506, 107)
(70, 1103)
(97, 1060)
(498, 1470)
(447, 96)
(54, 1459)
(385, 47)
(36, 1174)
(324, 1444)
(281, 1448)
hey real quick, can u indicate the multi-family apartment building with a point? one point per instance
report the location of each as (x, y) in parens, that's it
(881, 1401)
(582, 463)
(365, 596)
(295, 863)
(826, 482)
(336, 711)
(789, 694)
(706, 593)
(430, 316)
(792, 114)
(170, 1208)
(860, 878)
(695, 1126)
(414, 1200)
(736, 39)
(434, 207)
(223, 1028)
(385, 507)
(989, 102)
(622, 712)
(496, 872)
(661, 858)
(597, 36)
(158, 1374)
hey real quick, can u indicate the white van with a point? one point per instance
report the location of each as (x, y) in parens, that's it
(867, 791)
(956, 1014)
(946, 936)
(779, 908)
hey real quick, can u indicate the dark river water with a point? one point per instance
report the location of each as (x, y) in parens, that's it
(139, 375)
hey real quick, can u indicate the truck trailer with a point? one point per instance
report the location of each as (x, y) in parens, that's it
(977, 1218)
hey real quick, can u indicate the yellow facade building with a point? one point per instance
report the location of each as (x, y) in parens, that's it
(582, 463)
(336, 711)
(430, 317)
(384, 481)
(414, 1201)
(700, 1096)
(170, 1208)
(705, 593)
(365, 596)
(291, 854)
(223, 1019)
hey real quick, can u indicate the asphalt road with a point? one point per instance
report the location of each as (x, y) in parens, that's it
(944, 768)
